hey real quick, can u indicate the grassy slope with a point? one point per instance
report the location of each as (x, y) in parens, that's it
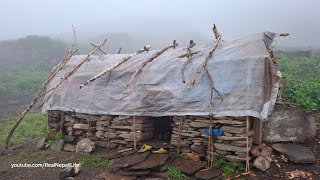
(30, 129)
(302, 81)
(21, 79)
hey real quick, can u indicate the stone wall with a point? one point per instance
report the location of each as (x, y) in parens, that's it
(232, 144)
(118, 132)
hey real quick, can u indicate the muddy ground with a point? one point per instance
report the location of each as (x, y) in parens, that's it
(27, 153)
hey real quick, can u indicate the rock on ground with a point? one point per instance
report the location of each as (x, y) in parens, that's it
(289, 124)
(261, 163)
(41, 143)
(126, 161)
(57, 145)
(85, 145)
(69, 147)
(295, 152)
(188, 167)
(69, 172)
(208, 174)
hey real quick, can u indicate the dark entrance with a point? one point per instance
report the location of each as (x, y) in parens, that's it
(162, 128)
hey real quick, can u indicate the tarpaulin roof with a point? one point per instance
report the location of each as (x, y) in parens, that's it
(242, 72)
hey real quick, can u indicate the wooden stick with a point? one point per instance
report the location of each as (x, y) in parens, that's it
(73, 71)
(47, 119)
(125, 150)
(62, 122)
(247, 156)
(151, 59)
(189, 56)
(179, 135)
(99, 48)
(125, 59)
(209, 144)
(211, 87)
(74, 37)
(37, 96)
(134, 133)
(119, 50)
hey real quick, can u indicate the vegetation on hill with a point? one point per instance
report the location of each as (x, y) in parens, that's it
(21, 79)
(31, 128)
(302, 81)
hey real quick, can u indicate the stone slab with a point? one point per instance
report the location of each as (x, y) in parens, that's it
(295, 152)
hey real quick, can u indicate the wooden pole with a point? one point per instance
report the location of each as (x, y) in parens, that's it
(99, 48)
(179, 136)
(119, 51)
(73, 71)
(134, 134)
(125, 59)
(247, 159)
(151, 59)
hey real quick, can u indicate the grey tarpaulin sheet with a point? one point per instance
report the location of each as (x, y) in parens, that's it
(242, 72)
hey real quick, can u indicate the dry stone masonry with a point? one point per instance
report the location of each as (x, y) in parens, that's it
(118, 132)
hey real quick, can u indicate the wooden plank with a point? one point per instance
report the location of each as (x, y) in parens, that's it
(257, 129)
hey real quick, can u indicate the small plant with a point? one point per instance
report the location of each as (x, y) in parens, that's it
(95, 161)
(174, 174)
(229, 168)
(218, 161)
(48, 144)
(57, 136)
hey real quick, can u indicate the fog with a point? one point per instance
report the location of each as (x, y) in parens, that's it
(162, 20)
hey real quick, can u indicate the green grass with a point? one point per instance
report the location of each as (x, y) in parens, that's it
(229, 168)
(21, 78)
(94, 161)
(30, 129)
(302, 81)
(174, 174)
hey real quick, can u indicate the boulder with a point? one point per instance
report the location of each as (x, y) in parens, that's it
(85, 145)
(57, 145)
(261, 163)
(289, 124)
(41, 143)
(295, 152)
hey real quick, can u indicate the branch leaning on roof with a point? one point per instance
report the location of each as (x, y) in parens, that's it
(54, 71)
(151, 59)
(125, 59)
(213, 48)
(73, 71)
(204, 66)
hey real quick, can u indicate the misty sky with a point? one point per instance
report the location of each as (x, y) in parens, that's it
(234, 18)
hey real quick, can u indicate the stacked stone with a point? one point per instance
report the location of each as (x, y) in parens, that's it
(79, 126)
(54, 123)
(122, 130)
(232, 144)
